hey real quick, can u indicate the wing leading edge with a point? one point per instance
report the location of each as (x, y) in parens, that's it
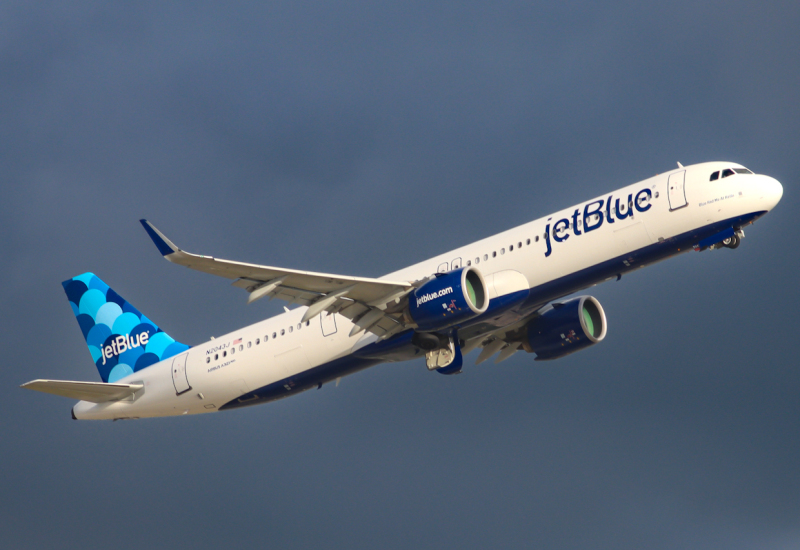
(374, 305)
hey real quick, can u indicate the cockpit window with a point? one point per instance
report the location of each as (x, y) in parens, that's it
(742, 171)
(727, 172)
(714, 176)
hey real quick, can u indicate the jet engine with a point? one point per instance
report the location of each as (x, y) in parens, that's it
(565, 328)
(448, 299)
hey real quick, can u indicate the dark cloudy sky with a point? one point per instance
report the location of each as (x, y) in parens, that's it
(357, 138)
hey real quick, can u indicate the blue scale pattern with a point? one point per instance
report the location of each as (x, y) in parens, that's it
(106, 319)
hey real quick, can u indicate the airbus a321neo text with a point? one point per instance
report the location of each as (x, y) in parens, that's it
(503, 294)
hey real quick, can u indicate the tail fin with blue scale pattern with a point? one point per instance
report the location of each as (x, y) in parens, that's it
(121, 340)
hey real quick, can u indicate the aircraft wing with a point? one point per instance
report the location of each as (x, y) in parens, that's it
(506, 340)
(373, 305)
(96, 392)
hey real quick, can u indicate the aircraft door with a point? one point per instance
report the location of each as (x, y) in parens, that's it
(676, 190)
(179, 377)
(328, 322)
(443, 268)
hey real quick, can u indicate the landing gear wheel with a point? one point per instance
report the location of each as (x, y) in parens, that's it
(733, 242)
(425, 341)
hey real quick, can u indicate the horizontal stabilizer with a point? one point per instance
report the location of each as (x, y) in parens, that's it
(95, 392)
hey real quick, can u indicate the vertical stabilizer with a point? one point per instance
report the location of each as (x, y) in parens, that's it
(121, 340)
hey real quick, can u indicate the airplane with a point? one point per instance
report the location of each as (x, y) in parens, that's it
(503, 294)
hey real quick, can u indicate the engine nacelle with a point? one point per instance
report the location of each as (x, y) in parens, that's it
(448, 299)
(566, 328)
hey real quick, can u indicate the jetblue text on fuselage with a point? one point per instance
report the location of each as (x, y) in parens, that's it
(595, 214)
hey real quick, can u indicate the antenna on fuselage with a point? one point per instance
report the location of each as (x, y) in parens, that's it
(680, 165)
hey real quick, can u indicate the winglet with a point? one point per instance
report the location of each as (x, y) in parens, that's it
(164, 245)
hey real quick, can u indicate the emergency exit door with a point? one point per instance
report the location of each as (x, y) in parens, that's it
(179, 376)
(676, 190)
(328, 323)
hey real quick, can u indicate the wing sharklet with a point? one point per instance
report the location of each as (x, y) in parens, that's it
(164, 245)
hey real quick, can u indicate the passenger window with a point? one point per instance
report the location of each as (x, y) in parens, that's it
(727, 172)
(494, 254)
(485, 257)
(241, 347)
(291, 328)
(249, 344)
(511, 248)
(233, 350)
(537, 238)
(299, 326)
(258, 341)
(477, 260)
(526, 242)
(224, 353)
(714, 176)
(469, 263)
(308, 323)
(216, 356)
(208, 359)
(502, 251)
(283, 331)
(274, 335)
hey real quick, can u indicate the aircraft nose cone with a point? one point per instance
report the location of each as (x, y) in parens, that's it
(772, 192)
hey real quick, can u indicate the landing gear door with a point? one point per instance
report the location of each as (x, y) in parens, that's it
(179, 376)
(676, 190)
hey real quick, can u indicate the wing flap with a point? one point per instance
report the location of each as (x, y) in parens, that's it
(95, 392)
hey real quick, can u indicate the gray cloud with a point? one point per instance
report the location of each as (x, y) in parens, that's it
(357, 138)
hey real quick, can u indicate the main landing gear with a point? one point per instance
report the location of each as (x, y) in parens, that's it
(442, 352)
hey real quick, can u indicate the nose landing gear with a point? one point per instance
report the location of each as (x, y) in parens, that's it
(732, 242)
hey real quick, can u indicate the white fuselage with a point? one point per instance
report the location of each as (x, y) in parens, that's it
(550, 256)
